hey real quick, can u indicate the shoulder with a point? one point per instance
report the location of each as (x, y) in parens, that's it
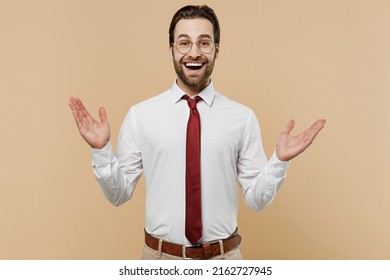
(145, 107)
(234, 111)
(151, 104)
(227, 103)
(153, 101)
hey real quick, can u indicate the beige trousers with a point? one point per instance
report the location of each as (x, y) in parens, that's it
(151, 254)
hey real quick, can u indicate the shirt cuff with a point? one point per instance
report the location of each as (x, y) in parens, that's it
(102, 156)
(279, 166)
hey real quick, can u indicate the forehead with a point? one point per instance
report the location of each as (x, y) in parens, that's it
(194, 28)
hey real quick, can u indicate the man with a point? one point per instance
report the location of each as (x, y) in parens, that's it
(193, 145)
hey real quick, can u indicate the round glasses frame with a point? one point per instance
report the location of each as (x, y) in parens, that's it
(201, 48)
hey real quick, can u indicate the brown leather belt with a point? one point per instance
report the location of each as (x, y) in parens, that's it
(200, 252)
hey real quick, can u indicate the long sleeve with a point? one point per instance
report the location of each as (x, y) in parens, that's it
(117, 175)
(259, 179)
(152, 142)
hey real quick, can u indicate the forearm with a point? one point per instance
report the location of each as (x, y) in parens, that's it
(260, 187)
(116, 183)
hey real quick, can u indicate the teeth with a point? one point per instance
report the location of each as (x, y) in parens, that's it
(194, 64)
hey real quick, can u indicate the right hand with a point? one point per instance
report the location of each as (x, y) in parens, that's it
(94, 133)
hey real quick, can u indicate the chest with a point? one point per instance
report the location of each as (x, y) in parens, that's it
(221, 131)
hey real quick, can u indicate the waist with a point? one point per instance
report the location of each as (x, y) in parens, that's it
(200, 252)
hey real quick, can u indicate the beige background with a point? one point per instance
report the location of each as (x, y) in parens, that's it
(286, 59)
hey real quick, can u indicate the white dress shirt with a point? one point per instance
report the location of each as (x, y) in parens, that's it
(152, 140)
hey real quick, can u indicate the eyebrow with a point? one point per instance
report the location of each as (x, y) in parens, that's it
(199, 37)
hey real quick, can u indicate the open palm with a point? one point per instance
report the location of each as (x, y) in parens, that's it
(94, 133)
(288, 146)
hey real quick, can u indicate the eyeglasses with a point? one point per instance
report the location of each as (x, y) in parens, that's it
(185, 46)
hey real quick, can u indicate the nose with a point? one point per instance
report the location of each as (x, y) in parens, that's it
(195, 51)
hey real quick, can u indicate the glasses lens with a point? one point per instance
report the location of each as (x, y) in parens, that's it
(205, 46)
(183, 46)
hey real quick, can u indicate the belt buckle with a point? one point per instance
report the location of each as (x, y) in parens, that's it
(184, 254)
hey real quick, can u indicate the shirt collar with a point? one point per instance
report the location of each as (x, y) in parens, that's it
(207, 94)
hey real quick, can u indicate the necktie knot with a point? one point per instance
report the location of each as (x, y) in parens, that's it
(192, 101)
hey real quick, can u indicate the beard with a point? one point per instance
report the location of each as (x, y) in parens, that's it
(195, 81)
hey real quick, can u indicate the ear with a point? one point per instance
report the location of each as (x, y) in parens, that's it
(216, 51)
(171, 51)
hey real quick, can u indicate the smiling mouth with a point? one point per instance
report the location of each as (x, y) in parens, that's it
(193, 65)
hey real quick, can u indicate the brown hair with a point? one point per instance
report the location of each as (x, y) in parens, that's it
(195, 11)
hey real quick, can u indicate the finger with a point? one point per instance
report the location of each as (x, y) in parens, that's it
(321, 122)
(318, 125)
(83, 111)
(313, 131)
(81, 115)
(87, 118)
(75, 111)
(102, 115)
(289, 126)
(72, 103)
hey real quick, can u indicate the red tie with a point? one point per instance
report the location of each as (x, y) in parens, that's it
(193, 191)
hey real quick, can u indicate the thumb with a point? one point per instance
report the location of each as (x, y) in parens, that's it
(289, 126)
(103, 115)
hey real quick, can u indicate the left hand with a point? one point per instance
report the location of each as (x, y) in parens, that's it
(288, 147)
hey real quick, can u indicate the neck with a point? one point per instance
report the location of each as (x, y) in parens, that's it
(191, 91)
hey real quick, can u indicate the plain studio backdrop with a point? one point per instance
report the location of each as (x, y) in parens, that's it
(285, 59)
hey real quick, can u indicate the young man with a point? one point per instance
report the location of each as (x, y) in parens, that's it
(193, 145)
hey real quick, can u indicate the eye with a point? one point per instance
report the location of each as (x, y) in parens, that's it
(184, 43)
(205, 43)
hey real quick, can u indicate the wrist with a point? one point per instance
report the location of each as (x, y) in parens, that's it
(99, 145)
(281, 157)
